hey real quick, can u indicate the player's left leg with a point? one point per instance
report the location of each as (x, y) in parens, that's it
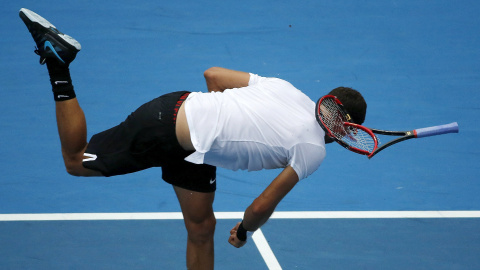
(200, 224)
(58, 50)
(72, 130)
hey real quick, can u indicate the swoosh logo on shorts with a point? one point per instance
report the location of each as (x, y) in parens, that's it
(213, 181)
(89, 157)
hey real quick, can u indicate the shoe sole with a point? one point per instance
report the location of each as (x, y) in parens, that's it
(32, 17)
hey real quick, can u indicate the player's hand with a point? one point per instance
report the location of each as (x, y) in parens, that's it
(233, 240)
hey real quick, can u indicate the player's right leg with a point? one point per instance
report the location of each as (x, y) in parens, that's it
(200, 223)
(58, 50)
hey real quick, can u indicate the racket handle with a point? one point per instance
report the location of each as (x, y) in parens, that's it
(436, 130)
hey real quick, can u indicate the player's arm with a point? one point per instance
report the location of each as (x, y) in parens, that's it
(219, 79)
(262, 207)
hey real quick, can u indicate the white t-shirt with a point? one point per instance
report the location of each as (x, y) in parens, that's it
(267, 125)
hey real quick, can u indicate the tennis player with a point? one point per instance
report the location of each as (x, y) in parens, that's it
(245, 121)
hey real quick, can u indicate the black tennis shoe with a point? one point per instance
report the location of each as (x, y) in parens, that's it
(51, 43)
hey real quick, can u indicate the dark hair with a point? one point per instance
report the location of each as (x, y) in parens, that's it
(353, 103)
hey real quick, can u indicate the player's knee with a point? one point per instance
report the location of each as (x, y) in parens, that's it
(73, 164)
(201, 231)
(75, 168)
(72, 169)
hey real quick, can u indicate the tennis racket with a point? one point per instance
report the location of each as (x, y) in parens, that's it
(335, 121)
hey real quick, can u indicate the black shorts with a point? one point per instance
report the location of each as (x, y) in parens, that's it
(147, 139)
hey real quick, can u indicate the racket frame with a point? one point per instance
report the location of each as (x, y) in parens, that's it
(405, 134)
(416, 133)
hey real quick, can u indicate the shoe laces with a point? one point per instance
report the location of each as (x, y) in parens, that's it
(42, 59)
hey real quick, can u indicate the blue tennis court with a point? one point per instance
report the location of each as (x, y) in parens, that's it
(414, 206)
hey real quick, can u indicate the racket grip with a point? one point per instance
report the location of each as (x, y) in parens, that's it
(436, 130)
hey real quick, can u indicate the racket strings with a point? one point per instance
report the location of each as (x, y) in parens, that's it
(358, 138)
(332, 117)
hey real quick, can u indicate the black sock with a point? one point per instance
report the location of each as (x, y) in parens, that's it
(61, 81)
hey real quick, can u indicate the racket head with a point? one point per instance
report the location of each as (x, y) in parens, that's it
(334, 120)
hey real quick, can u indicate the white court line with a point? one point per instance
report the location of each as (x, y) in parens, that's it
(91, 216)
(239, 215)
(258, 237)
(265, 250)
(375, 214)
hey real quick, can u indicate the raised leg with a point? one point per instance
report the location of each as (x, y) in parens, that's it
(72, 129)
(58, 50)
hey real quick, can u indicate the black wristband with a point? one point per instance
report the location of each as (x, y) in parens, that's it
(241, 233)
(64, 94)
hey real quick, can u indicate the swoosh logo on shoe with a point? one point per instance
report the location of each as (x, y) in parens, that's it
(49, 45)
